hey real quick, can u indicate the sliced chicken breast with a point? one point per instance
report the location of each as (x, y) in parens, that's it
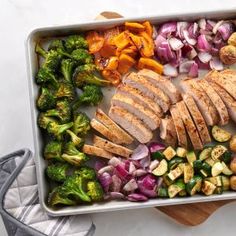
(138, 96)
(222, 81)
(168, 132)
(216, 100)
(229, 75)
(96, 151)
(162, 83)
(197, 118)
(156, 94)
(131, 124)
(144, 114)
(111, 125)
(111, 147)
(203, 102)
(189, 125)
(179, 126)
(230, 103)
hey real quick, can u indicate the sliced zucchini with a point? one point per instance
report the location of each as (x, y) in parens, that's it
(181, 152)
(194, 185)
(217, 152)
(217, 169)
(203, 173)
(169, 153)
(191, 157)
(210, 161)
(161, 169)
(226, 169)
(157, 156)
(188, 172)
(217, 180)
(181, 166)
(208, 188)
(207, 168)
(226, 157)
(162, 192)
(175, 188)
(220, 135)
(176, 173)
(219, 190)
(205, 153)
(174, 162)
(183, 193)
(197, 165)
(167, 181)
(226, 182)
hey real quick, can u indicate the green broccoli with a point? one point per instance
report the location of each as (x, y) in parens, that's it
(46, 99)
(76, 187)
(81, 56)
(59, 196)
(57, 130)
(86, 172)
(67, 68)
(74, 42)
(58, 171)
(65, 90)
(62, 111)
(95, 191)
(73, 156)
(53, 150)
(78, 142)
(44, 120)
(81, 123)
(56, 44)
(46, 76)
(88, 74)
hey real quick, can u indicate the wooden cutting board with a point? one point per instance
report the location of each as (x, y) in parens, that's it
(186, 214)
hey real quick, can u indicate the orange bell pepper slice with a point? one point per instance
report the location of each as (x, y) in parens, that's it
(112, 63)
(125, 63)
(134, 26)
(122, 40)
(130, 51)
(147, 49)
(151, 64)
(95, 41)
(148, 28)
(112, 75)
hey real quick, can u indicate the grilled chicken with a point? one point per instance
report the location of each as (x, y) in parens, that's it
(229, 75)
(179, 126)
(222, 81)
(111, 147)
(203, 102)
(162, 83)
(230, 103)
(154, 93)
(96, 151)
(144, 114)
(102, 129)
(168, 132)
(197, 118)
(111, 125)
(131, 124)
(138, 96)
(217, 101)
(190, 126)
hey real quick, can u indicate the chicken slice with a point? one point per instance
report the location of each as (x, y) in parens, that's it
(168, 132)
(203, 102)
(189, 125)
(156, 94)
(216, 100)
(144, 114)
(138, 96)
(179, 126)
(229, 75)
(96, 151)
(131, 124)
(111, 125)
(197, 118)
(162, 83)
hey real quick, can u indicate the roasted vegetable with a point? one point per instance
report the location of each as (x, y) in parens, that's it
(86, 172)
(74, 42)
(56, 44)
(58, 171)
(80, 55)
(57, 130)
(175, 188)
(44, 120)
(46, 99)
(220, 135)
(46, 76)
(81, 123)
(233, 182)
(228, 54)
(217, 152)
(161, 169)
(232, 144)
(65, 90)
(95, 191)
(78, 142)
(233, 165)
(53, 151)
(67, 69)
(95, 41)
(151, 64)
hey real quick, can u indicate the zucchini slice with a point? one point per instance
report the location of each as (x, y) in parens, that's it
(226, 157)
(226, 169)
(217, 180)
(205, 153)
(197, 165)
(220, 135)
(210, 161)
(203, 173)
(208, 188)
(183, 193)
(174, 162)
(181, 152)
(167, 181)
(226, 182)
(218, 151)
(206, 167)
(188, 173)
(176, 173)
(217, 169)
(175, 188)
(161, 169)
(191, 157)
(194, 185)
(219, 190)
(169, 153)
(163, 192)
(157, 156)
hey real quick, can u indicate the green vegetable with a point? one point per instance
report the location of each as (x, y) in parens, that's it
(220, 135)
(226, 182)
(210, 161)
(226, 157)
(194, 185)
(208, 188)
(167, 181)
(162, 192)
(217, 152)
(86, 172)
(169, 153)
(217, 169)
(191, 157)
(67, 69)
(81, 123)
(73, 42)
(188, 172)
(77, 141)
(65, 90)
(56, 44)
(207, 168)
(175, 188)
(176, 173)
(183, 193)
(95, 191)
(46, 76)
(181, 152)
(205, 153)
(203, 173)
(197, 165)
(161, 168)
(58, 171)
(174, 162)
(57, 130)
(226, 170)
(46, 99)
(53, 150)
(157, 156)
(44, 120)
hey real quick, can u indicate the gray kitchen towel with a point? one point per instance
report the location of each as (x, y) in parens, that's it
(19, 202)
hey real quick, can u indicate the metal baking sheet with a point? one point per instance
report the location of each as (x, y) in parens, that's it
(32, 67)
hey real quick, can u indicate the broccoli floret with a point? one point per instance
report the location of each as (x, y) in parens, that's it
(57, 130)
(56, 44)
(59, 196)
(81, 56)
(74, 42)
(44, 120)
(88, 74)
(81, 123)
(58, 171)
(76, 187)
(86, 172)
(46, 100)
(65, 90)
(46, 76)
(62, 111)
(53, 150)
(78, 142)
(67, 68)
(95, 191)
(73, 156)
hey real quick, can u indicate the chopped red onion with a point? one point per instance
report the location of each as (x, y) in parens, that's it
(216, 64)
(170, 70)
(109, 169)
(116, 195)
(193, 72)
(167, 28)
(202, 24)
(114, 161)
(140, 152)
(116, 183)
(217, 25)
(189, 40)
(202, 44)
(158, 41)
(182, 25)
(210, 24)
(98, 165)
(155, 146)
(204, 57)
(201, 65)
(139, 172)
(147, 185)
(159, 182)
(185, 66)
(137, 197)
(145, 162)
(192, 54)
(175, 43)
(153, 165)
(225, 30)
(122, 172)
(105, 180)
(132, 167)
(130, 186)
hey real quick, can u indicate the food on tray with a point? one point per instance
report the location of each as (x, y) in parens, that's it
(232, 144)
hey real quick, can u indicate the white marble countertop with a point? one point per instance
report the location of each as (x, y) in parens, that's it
(17, 19)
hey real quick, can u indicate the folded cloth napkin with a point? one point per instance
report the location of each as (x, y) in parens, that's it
(19, 202)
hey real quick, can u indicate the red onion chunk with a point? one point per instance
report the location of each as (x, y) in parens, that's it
(98, 165)
(153, 165)
(122, 172)
(202, 44)
(167, 28)
(147, 185)
(145, 162)
(155, 146)
(182, 25)
(186, 50)
(132, 167)
(193, 30)
(158, 41)
(175, 44)
(202, 24)
(130, 186)
(170, 70)
(116, 195)
(185, 66)
(109, 169)
(189, 40)
(137, 197)
(201, 65)
(192, 54)
(216, 64)
(225, 30)
(217, 25)
(193, 72)
(116, 183)
(105, 180)
(210, 24)
(114, 161)
(204, 57)
(140, 152)
(139, 172)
